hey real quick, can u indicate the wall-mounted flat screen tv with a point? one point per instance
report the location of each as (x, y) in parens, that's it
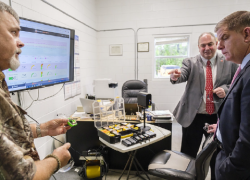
(46, 59)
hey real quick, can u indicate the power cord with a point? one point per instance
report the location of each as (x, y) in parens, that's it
(19, 98)
(64, 143)
(53, 94)
(38, 97)
(106, 168)
(32, 99)
(54, 176)
(58, 140)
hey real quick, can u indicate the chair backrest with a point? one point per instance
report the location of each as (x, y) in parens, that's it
(203, 158)
(131, 88)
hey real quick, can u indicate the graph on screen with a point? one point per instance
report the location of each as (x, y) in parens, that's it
(46, 57)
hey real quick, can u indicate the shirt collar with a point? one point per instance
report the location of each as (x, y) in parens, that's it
(212, 60)
(245, 61)
(2, 76)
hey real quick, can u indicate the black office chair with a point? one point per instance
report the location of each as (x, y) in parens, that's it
(131, 88)
(173, 165)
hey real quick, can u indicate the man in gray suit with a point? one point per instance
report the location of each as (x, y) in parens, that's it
(208, 77)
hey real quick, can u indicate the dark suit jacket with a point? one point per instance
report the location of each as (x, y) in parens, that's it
(192, 71)
(233, 163)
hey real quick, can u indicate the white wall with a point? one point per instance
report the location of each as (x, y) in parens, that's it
(85, 11)
(115, 14)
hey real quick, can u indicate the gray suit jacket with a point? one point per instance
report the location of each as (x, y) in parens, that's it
(192, 72)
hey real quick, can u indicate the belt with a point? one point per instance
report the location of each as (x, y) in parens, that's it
(219, 144)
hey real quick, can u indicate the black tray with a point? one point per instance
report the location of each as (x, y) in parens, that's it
(110, 139)
(116, 138)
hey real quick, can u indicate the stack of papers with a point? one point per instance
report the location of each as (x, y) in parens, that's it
(160, 115)
(81, 115)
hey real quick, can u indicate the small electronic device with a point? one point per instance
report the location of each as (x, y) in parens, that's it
(131, 140)
(142, 137)
(151, 134)
(72, 122)
(89, 96)
(126, 143)
(146, 136)
(138, 138)
(144, 99)
(206, 127)
(113, 85)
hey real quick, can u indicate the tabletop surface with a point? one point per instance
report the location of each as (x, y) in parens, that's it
(81, 116)
(160, 134)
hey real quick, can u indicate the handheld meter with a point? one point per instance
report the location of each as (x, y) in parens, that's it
(72, 122)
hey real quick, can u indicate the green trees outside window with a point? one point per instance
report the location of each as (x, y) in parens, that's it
(169, 54)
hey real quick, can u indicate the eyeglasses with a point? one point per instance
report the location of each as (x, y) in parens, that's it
(208, 99)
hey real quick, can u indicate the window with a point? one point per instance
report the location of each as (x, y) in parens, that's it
(169, 54)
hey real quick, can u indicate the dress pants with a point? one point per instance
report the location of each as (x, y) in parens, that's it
(192, 136)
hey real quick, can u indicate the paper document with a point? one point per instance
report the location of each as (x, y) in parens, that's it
(164, 114)
(81, 115)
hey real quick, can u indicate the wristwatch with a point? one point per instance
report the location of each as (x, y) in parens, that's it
(38, 130)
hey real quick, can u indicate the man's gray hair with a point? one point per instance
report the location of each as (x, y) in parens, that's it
(210, 33)
(7, 8)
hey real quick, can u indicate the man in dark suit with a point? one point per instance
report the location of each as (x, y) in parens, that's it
(233, 131)
(208, 77)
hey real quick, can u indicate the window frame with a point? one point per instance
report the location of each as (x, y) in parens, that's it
(154, 77)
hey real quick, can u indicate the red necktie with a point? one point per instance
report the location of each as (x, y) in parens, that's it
(209, 89)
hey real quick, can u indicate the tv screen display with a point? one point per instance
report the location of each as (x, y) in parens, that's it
(46, 59)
